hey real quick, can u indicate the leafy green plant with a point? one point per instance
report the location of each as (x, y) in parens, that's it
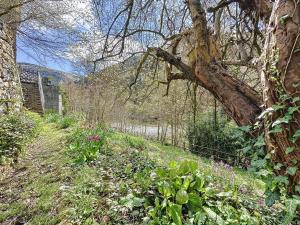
(87, 144)
(135, 142)
(276, 176)
(15, 131)
(180, 194)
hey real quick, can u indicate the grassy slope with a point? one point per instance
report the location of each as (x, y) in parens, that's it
(46, 188)
(163, 155)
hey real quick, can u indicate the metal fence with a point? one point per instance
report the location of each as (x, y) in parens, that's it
(234, 159)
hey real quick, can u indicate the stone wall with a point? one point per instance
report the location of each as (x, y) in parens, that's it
(32, 97)
(32, 90)
(10, 87)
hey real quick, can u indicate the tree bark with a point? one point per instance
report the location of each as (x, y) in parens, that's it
(240, 101)
(281, 47)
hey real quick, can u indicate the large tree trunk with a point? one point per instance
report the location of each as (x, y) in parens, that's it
(240, 101)
(282, 50)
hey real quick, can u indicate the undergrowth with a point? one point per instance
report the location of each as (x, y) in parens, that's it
(15, 131)
(63, 122)
(87, 144)
(96, 176)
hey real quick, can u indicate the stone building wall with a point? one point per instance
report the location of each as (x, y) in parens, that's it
(10, 87)
(32, 97)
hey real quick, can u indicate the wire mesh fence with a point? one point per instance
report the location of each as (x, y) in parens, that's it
(234, 157)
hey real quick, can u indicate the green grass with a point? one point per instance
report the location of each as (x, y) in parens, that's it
(48, 188)
(164, 154)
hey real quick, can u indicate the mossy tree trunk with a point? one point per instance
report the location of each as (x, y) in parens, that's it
(281, 86)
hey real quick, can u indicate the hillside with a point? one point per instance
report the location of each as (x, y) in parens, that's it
(55, 75)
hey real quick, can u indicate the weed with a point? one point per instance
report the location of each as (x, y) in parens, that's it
(87, 144)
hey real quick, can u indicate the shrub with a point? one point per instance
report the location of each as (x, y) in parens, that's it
(214, 140)
(15, 130)
(87, 144)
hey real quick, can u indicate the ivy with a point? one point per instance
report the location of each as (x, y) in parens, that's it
(296, 136)
(276, 129)
(261, 165)
(292, 170)
(289, 150)
(297, 188)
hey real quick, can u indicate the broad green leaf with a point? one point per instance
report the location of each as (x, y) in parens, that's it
(272, 197)
(278, 107)
(296, 136)
(182, 197)
(164, 203)
(292, 170)
(165, 189)
(293, 109)
(276, 129)
(188, 167)
(282, 179)
(260, 142)
(200, 218)
(186, 182)
(291, 207)
(260, 163)
(173, 165)
(289, 150)
(296, 99)
(214, 216)
(297, 188)
(130, 201)
(199, 182)
(195, 201)
(177, 183)
(284, 97)
(285, 119)
(161, 172)
(175, 213)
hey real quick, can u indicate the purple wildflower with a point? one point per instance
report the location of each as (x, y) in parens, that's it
(94, 138)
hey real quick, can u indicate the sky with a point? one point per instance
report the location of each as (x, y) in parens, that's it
(78, 13)
(58, 64)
